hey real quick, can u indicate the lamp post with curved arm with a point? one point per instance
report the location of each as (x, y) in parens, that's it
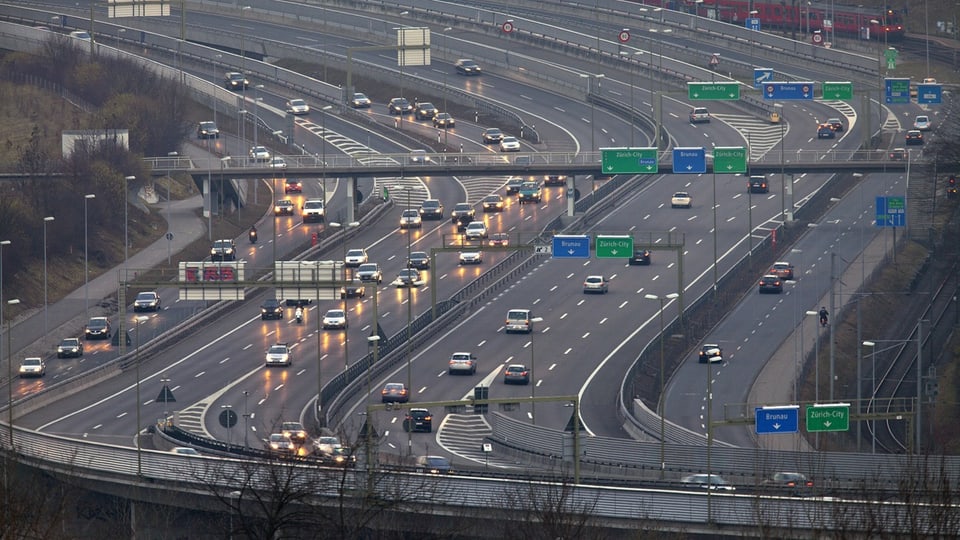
(46, 220)
(662, 403)
(346, 281)
(86, 268)
(11, 302)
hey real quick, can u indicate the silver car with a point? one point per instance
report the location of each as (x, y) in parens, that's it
(410, 219)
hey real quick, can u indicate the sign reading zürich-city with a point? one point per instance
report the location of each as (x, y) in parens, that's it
(828, 417)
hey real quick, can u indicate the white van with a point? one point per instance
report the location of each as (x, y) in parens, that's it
(519, 320)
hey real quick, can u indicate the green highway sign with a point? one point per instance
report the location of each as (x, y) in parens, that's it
(828, 417)
(729, 159)
(628, 160)
(614, 247)
(713, 91)
(838, 90)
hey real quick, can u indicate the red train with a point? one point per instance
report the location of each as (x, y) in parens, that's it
(800, 15)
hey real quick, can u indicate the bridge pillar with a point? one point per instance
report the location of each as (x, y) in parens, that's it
(351, 204)
(571, 194)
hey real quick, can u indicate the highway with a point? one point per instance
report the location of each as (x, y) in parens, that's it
(574, 346)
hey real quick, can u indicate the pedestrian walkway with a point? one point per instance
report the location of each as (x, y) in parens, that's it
(67, 317)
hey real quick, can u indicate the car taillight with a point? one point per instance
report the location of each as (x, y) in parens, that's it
(791, 484)
(809, 483)
(428, 418)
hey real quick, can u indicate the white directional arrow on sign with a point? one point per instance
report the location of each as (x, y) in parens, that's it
(776, 426)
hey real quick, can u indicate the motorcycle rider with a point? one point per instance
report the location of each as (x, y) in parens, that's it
(823, 315)
(298, 314)
(253, 233)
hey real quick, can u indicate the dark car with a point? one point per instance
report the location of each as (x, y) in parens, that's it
(711, 352)
(758, 184)
(425, 111)
(824, 131)
(493, 203)
(462, 210)
(292, 185)
(283, 207)
(147, 301)
(294, 431)
(394, 393)
(444, 120)
(835, 124)
(223, 250)
(465, 66)
(793, 482)
(914, 136)
(431, 209)
(492, 136)
(70, 348)
(98, 328)
(513, 185)
(235, 81)
(530, 192)
(555, 180)
(418, 420)
(640, 257)
(771, 284)
(419, 260)
(353, 289)
(516, 374)
(271, 309)
(782, 269)
(208, 130)
(400, 106)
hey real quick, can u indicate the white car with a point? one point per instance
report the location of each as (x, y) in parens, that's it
(410, 219)
(713, 482)
(32, 367)
(298, 107)
(419, 156)
(461, 362)
(278, 355)
(922, 123)
(360, 101)
(259, 153)
(595, 284)
(370, 272)
(476, 230)
(278, 163)
(80, 34)
(681, 199)
(184, 451)
(355, 257)
(510, 144)
(408, 277)
(335, 319)
(471, 257)
(313, 210)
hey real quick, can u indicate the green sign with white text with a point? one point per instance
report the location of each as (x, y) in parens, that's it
(830, 417)
(729, 159)
(628, 160)
(838, 90)
(614, 247)
(713, 91)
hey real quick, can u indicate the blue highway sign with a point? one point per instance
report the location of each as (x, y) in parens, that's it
(752, 23)
(788, 90)
(897, 90)
(891, 211)
(772, 420)
(931, 94)
(761, 75)
(691, 160)
(571, 247)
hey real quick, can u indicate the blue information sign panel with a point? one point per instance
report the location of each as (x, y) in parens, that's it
(571, 247)
(788, 90)
(691, 160)
(761, 75)
(931, 94)
(891, 211)
(772, 420)
(752, 23)
(897, 90)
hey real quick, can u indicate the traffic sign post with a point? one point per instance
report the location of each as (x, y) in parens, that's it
(692, 160)
(897, 90)
(931, 94)
(760, 76)
(628, 160)
(828, 417)
(773, 420)
(614, 247)
(571, 247)
(699, 91)
(891, 211)
(730, 159)
(752, 23)
(838, 90)
(788, 90)
(890, 55)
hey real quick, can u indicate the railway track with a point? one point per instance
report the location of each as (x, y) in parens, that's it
(943, 50)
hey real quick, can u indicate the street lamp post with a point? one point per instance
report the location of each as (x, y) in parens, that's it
(627, 56)
(86, 268)
(749, 205)
(409, 190)
(45, 221)
(373, 341)
(533, 374)
(661, 404)
(590, 77)
(256, 113)
(126, 221)
(323, 150)
(2, 243)
(213, 77)
(445, 128)
(139, 321)
(343, 242)
(11, 302)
